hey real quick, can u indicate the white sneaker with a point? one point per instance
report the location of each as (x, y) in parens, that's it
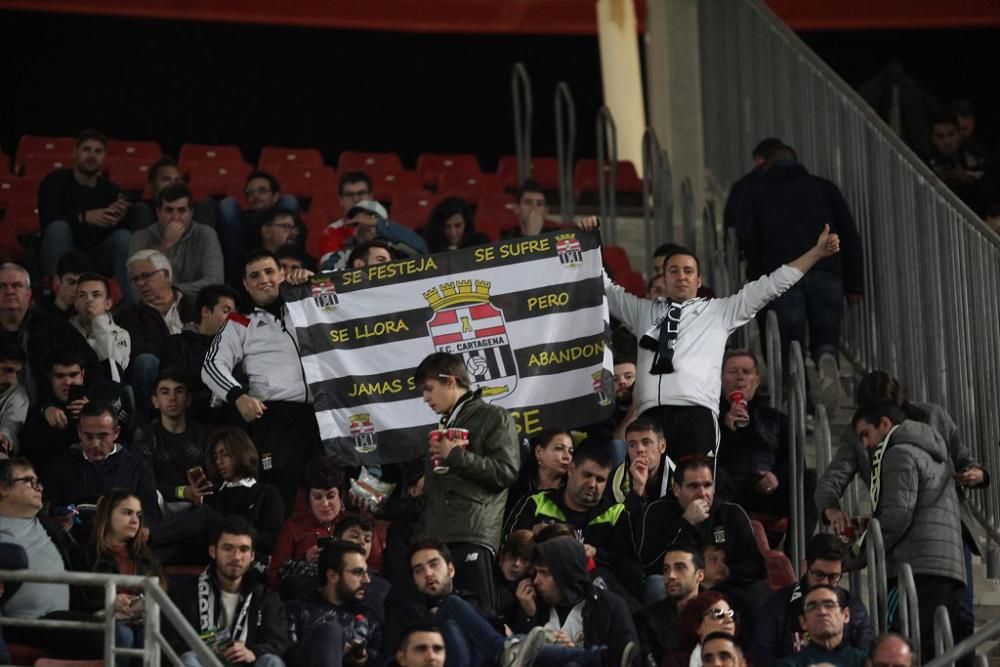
(628, 655)
(522, 652)
(830, 392)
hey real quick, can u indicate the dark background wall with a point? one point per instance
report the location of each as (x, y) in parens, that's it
(254, 86)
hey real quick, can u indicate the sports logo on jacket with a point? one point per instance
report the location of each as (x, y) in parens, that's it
(569, 251)
(467, 324)
(603, 386)
(363, 431)
(324, 292)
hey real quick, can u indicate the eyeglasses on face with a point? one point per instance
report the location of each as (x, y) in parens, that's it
(137, 278)
(259, 190)
(828, 605)
(833, 578)
(30, 480)
(719, 614)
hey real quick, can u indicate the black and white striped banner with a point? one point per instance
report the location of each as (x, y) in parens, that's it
(527, 315)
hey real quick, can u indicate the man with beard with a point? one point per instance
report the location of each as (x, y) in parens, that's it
(275, 402)
(824, 616)
(337, 627)
(244, 622)
(80, 208)
(658, 624)
(601, 524)
(469, 637)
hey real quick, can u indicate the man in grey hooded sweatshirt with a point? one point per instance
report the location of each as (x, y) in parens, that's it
(914, 498)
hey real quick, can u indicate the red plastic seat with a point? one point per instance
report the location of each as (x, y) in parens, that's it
(544, 170)
(191, 153)
(387, 183)
(5, 166)
(585, 177)
(6, 189)
(13, 188)
(130, 173)
(617, 260)
(21, 216)
(432, 166)
(38, 145)
(22, 654)
(149, 151)
(413, 208)
(497, 209)
(37, 166)
(780, 572)
(273, 158)
(633, 282)
(302, 181)
(53, 662)
(470, 187)
(366, 161)
(217, 179)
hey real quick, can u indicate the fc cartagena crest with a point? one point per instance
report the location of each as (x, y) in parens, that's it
(324, 292)
(569, 251)
(603, 383)
(363, 431)
(466, 324)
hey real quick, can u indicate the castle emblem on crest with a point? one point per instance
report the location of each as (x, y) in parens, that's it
(568, 250)
(465, 323)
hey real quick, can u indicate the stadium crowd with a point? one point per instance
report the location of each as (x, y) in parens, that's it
(172, 434)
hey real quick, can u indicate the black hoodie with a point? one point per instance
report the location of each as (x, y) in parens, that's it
(606, 618)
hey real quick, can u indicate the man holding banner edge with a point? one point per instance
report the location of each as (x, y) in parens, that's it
(682, 340)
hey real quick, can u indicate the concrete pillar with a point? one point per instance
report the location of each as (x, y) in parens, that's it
(621, 74)
(673, 86)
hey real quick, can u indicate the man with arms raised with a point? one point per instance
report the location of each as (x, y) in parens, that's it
(683, 338)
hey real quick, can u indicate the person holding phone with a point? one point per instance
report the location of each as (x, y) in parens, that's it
(119, 545)
(50, 429)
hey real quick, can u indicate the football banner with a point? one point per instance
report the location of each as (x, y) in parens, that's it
(527, 316)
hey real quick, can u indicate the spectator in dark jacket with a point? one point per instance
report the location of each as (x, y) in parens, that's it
(658, 624)
(779, 632)
(162, 311)
(256, 628)
(78, 207)
(694, 515)
(779, 218)
(730, 216)
(336, 626)
(37, 333)
(186, 351)
(824, 616)
(753, 445)
(604, 526)
(50, 429)
(98, 464)
(62, 301)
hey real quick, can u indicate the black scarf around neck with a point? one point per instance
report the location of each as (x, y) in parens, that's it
(663, 344)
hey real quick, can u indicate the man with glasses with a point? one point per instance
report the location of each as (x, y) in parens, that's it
(192, 248)
(36, 332)
(338, 627)
(96, 465)
(238, 226)
(49, 550)
(779, 632)
(824, 616)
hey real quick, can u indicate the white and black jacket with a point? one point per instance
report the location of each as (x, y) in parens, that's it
(269, 353)
(704, 327)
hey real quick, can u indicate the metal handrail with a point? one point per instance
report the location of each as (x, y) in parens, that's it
(987, 633)
(650, 177)
(909, 607)
(797, 406)
(878, 595)
(691, 240)
(520, 94)
(824, 442)
(157, 602)
(943, 640)
(772, 347)
(607, 194)
(565, 111)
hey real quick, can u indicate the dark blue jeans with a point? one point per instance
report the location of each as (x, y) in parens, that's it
(472, 642)
(815, 305)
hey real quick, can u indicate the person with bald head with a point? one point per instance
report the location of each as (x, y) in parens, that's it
(891, 650)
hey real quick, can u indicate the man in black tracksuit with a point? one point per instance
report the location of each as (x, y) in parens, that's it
(579, 614)
(693, 515)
